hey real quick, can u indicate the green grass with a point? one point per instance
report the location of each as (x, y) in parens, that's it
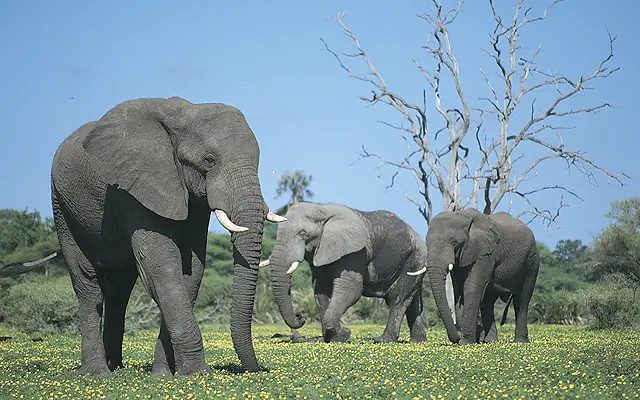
(560, 362)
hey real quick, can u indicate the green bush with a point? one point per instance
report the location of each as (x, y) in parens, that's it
(367, 309)
(214, 289)
(563, 308)
(41, 305)
(614, 304)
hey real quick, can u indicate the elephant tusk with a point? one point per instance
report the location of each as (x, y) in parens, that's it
(273, 217)
(422, 271)
(293, 267)
(450, 267)
(264, 263)
(226, 222)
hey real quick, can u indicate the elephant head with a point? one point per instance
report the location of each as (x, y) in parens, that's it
(175, 158)
(456, 240)
(319, 233)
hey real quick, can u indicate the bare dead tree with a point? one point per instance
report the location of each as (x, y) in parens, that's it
(440, 161)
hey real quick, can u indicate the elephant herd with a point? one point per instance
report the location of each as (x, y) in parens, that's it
(132, 194)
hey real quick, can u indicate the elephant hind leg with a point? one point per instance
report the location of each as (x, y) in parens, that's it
(522, 298)
(90, 308)
(118, 285)
(347, 289)
(398, 306)
(90, 298)
(488, 317)
(413, 313)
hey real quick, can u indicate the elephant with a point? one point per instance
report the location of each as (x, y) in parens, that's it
(488, 256)
(351, 253)
(132, 195)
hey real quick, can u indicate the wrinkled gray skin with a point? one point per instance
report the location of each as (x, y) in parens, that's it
(493, 256)
(351, 253)
(132, 194)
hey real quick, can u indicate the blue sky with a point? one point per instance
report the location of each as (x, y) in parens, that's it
(66, 65)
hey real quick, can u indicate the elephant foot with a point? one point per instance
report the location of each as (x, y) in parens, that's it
(385, 338)
(296, 337)
(94, 368)
(194, 368)
(333, 335)
(419, 338)
(115, 365)
(161, 371)
(490, 339)
(480, 334)
(521, 340)
(417, 334)
(465, 341)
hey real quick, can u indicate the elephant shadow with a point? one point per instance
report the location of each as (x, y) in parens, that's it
(233, 368)
(230, 368)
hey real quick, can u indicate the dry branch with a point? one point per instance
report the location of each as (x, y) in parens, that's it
(519, 83)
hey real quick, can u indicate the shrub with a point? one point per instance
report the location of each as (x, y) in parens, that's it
(563, 308)
(614, 303)
(41, 305)
(213, 289)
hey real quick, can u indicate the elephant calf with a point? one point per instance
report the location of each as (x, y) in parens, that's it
(351, 253)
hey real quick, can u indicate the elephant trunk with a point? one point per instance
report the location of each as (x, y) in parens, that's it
(248, 212)
(437, 278)
(281, 282)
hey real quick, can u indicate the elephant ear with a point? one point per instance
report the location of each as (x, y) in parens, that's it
(482, 239)
(136, 154)
(341, 235)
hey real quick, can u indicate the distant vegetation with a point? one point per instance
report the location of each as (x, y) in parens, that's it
(578, 284)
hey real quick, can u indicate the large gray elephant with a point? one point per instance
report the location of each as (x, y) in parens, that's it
(132, 194)
(488, 256)
(351, 253)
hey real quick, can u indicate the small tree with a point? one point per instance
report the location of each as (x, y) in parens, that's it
(22, 229)
(617, 249)
(297, 183)
(570, 250)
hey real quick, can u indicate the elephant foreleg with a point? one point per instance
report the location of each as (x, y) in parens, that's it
(164, 359)
(117, 289)
(322, 287)
(473, 291)
(159, 261)
(347, 289)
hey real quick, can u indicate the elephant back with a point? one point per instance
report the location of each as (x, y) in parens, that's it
(391, 239)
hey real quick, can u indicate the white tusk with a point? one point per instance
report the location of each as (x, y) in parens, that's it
(450, 267)
(422, 271)
(226, 222)
(293, 267)
(273, 217)
(264, 263)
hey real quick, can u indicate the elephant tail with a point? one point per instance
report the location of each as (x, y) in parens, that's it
(506, 310)
(20, 267)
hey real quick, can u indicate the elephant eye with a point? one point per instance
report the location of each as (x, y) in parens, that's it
(209, 161)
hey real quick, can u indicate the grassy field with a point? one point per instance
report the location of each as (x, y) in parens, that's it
(560, 362)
